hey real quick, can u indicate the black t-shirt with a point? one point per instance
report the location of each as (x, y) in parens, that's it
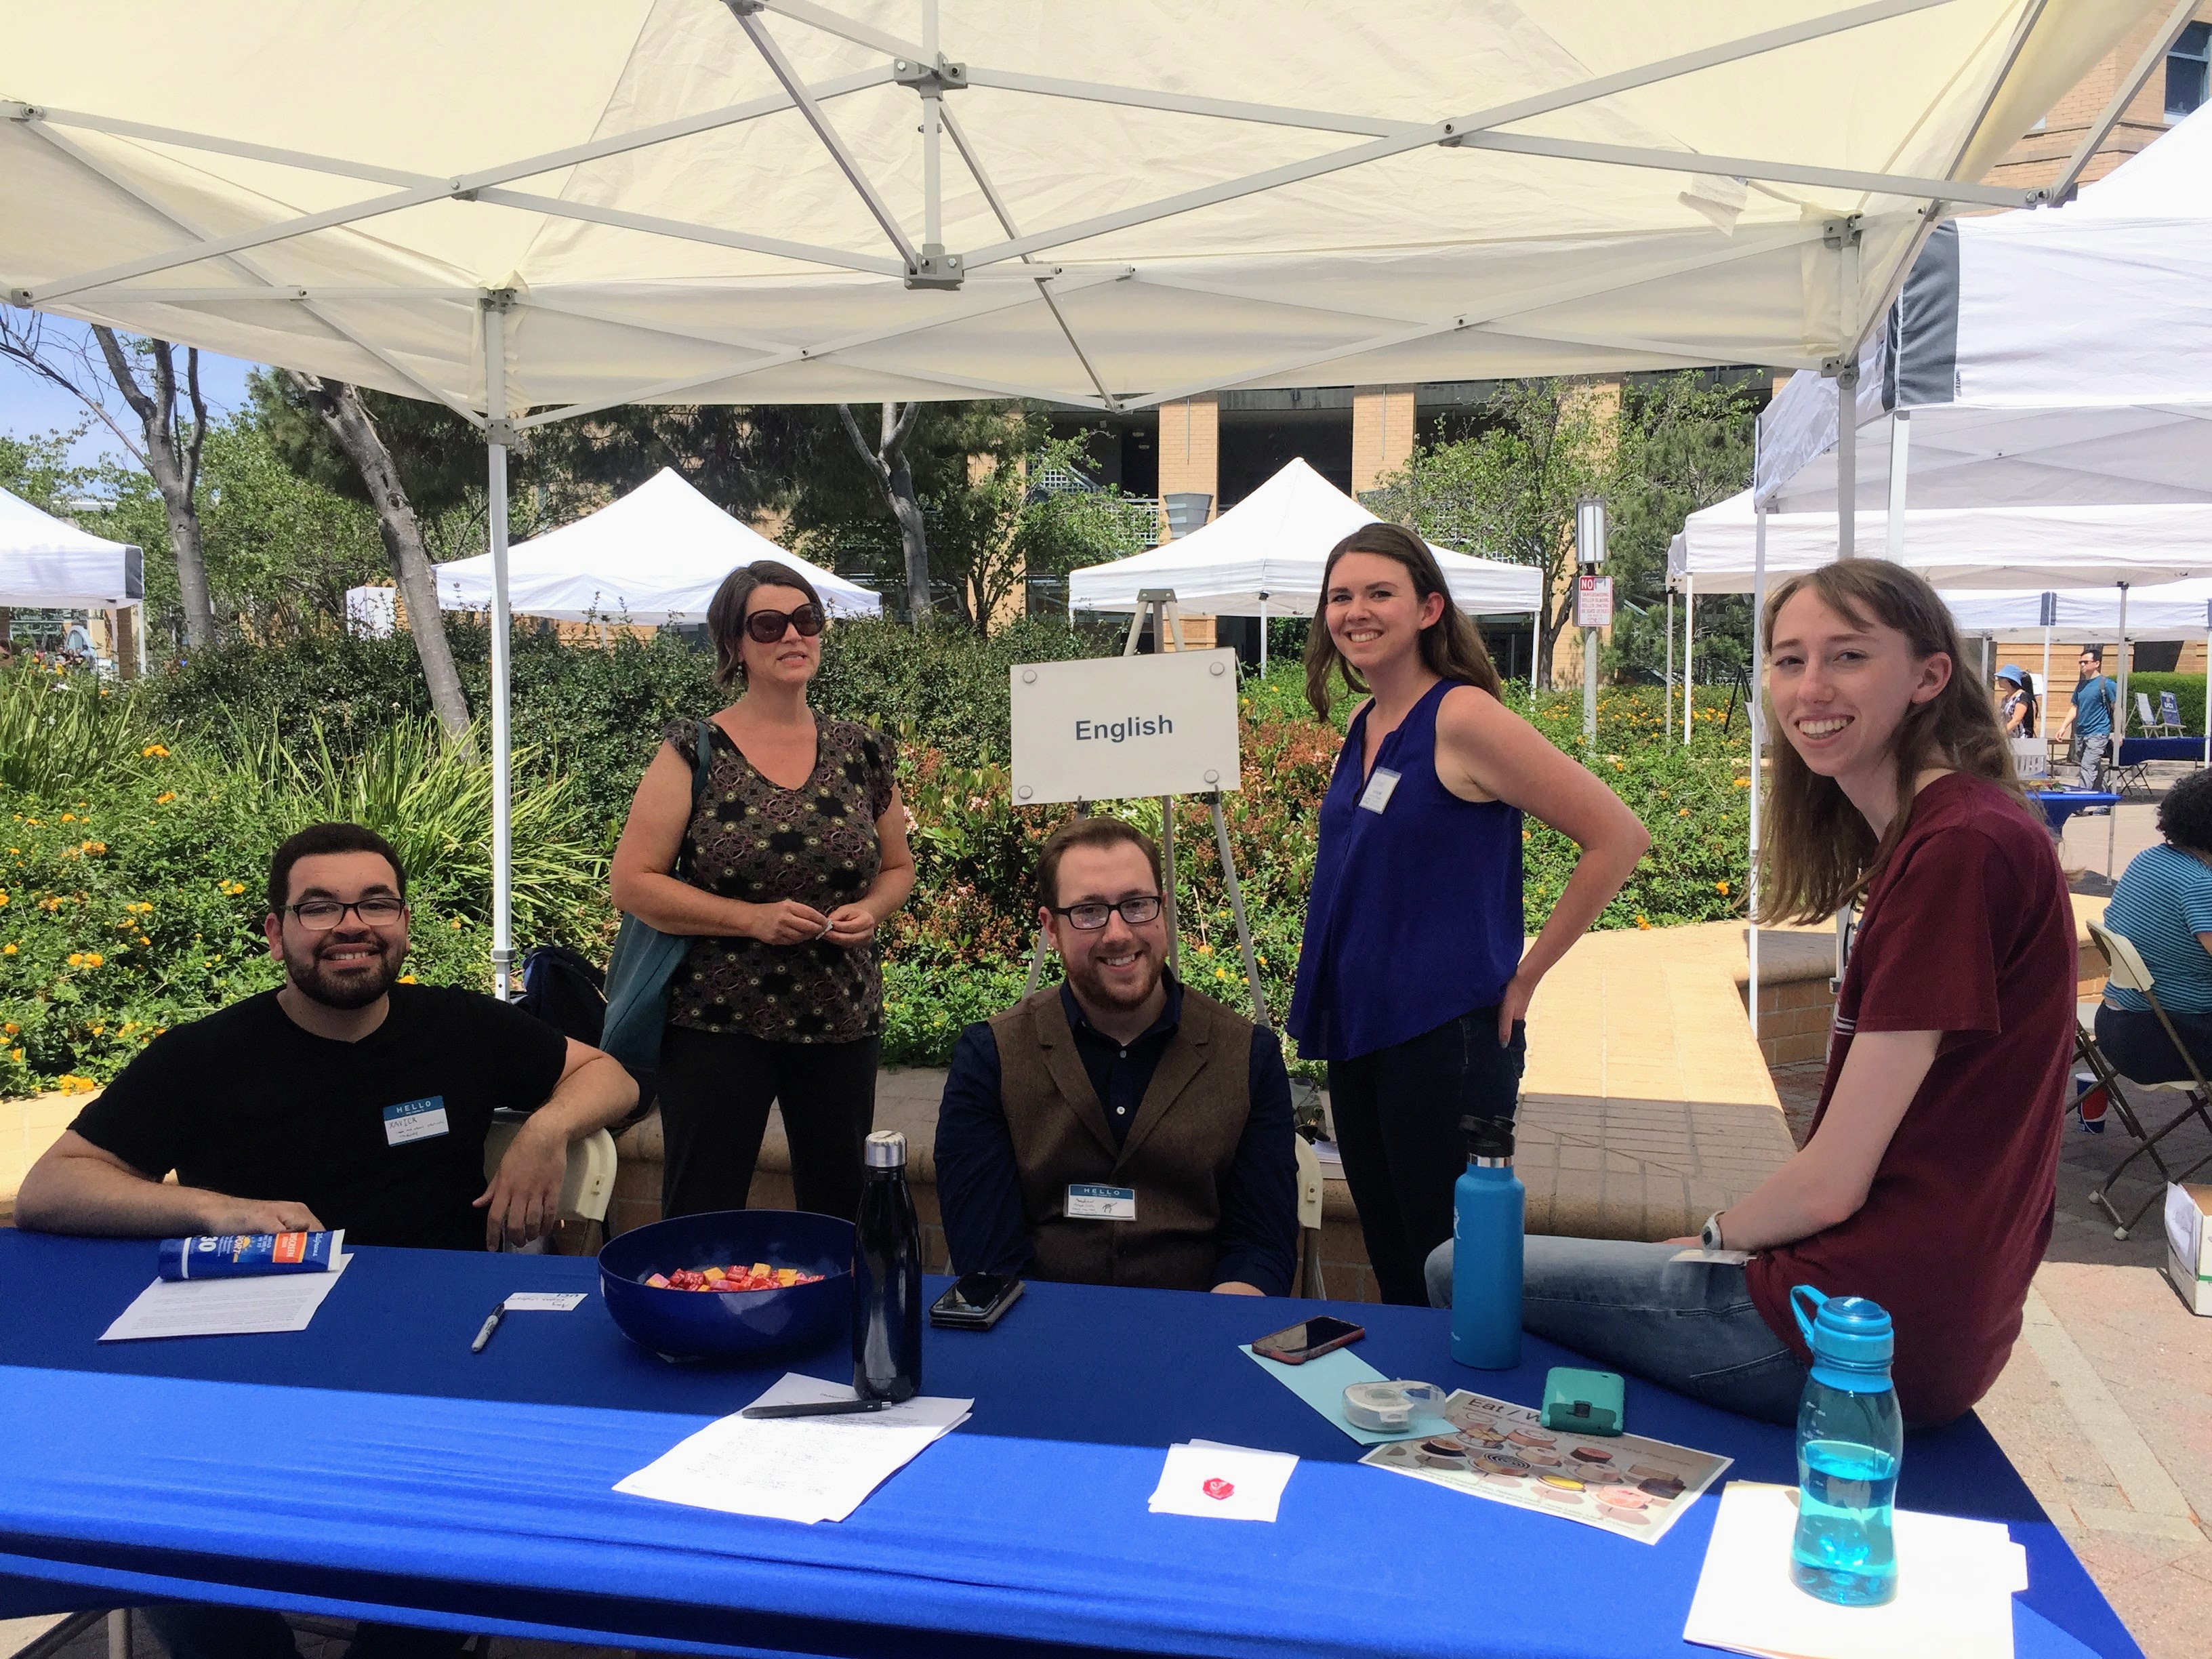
(384, 1136)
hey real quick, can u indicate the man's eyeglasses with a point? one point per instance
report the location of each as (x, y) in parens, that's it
(767, 626)
(321, 916)
(1090, 918)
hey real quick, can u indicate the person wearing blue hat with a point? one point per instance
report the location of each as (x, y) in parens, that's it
(2016, 707)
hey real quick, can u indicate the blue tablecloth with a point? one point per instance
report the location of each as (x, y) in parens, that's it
(2135, 751)
(2060, 804)
(372, 1467)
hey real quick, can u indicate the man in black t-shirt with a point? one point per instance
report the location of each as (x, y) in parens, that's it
(343, 1099)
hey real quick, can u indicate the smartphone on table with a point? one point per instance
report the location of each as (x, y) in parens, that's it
(1308, 1340)
(976, 1302)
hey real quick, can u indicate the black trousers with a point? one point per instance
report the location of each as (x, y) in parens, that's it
(192, 1631)
(1397, 1114)
(715, 1090)
(2138, 1046)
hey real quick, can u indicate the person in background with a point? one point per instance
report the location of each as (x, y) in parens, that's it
(343, 1099)
(1929, 1180)
(794, 855)
(2015, 703)
(2163, 906)
(1413, 984)
(2090, 724)
(1120, 1077)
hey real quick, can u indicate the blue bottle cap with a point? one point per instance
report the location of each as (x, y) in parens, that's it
(1852, 1339)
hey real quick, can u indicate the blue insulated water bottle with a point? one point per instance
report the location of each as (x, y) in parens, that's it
(1850, 1437)
(1489, 1206)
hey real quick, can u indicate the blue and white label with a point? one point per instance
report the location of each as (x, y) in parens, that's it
(1380, 787)
(1088, 1203)
(415, 1120)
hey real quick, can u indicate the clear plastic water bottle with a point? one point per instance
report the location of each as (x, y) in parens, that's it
(1851, 1437)
(886, 1278)
(1489, 1211)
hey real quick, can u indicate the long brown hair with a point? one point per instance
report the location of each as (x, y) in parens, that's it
(1451, 646)
(1820, 852)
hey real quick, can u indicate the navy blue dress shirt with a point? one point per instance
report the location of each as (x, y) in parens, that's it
(979, 1187)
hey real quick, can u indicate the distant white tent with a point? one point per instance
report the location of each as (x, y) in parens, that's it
(1265, 556)
(655, 555)
(47, 562)
(2172, 611)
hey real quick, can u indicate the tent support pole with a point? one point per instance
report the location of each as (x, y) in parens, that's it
(2120, 737)
(1689, 625)
(1536, 628)
(1263, 635)
(499, 433)
(1847, 462)
(2043, 709)
(1900, 450)
(1667, 720)
(1756, 710)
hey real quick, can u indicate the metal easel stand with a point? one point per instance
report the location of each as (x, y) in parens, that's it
(1157, 607)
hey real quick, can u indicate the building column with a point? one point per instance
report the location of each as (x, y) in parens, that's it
(1381, 433)
(1190, 452)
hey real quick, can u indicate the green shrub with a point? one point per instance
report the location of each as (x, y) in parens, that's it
(57, 728)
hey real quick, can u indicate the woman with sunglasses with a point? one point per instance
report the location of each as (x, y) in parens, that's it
(794, 855)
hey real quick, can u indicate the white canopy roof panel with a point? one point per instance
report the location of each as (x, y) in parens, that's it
(655, 555)
(1265, 555)
(2062, 357)
(688, 200)
(2172, 610)
(47, 562)
(1956, 547)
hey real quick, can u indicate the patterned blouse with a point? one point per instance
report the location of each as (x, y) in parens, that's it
(753, 840)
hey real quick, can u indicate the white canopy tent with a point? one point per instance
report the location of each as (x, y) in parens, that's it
(654, 556)
(678, 201)
(44, 561)
(1265, 556)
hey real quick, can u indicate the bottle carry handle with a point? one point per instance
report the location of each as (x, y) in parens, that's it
(1809, 1311)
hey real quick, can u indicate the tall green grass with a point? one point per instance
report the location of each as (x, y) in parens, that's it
(58, 729)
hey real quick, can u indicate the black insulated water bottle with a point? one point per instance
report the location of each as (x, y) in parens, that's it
(886, 1278)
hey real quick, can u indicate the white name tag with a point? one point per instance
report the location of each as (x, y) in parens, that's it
(1102, 1203)
(1379, 788)
(544, 1301)
(415, 1120)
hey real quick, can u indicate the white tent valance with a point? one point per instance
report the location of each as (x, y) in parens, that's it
(1958, 547)
(654, 556)
(47, 562)
(1265, 556)
(2172, 610)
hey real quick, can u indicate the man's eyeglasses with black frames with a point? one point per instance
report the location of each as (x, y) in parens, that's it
(321, 915)
(1090, 918)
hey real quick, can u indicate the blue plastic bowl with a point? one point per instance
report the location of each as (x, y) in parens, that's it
(684, 1325)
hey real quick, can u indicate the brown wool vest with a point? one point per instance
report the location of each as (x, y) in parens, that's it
(1177, 1155)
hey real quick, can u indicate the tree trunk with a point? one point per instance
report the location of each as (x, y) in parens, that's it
(173, 459)
(342, 410)
(887, 459)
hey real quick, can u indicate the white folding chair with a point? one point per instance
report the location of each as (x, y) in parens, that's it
(1310, 1194)
(2125, 967)
(589, 1186)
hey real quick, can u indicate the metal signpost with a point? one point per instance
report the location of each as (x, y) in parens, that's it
(1593, 602)
(1106, 728)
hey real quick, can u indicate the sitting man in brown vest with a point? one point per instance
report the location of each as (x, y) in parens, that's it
(1120, 1128)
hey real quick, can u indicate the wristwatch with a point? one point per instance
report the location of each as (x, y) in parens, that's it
(1710, 1238)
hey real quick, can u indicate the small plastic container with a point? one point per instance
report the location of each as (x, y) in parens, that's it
(1390, 1407)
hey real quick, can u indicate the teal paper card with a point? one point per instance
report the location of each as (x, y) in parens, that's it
(1321, 1383)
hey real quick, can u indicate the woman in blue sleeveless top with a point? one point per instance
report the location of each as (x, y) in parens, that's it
(1413, 983)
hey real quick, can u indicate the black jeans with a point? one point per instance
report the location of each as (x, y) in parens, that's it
(1397, 1114)
(2138, 1046)
(715, 1090)
(193, 1630)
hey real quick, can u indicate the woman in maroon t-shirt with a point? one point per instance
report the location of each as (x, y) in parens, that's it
(1928, 1179)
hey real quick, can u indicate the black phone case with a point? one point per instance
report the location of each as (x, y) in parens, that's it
(983, 1321)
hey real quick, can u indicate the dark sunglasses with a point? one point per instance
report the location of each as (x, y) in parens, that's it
(767, 626)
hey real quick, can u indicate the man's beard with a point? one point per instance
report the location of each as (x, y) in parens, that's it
(1091, 984)
(356, 990)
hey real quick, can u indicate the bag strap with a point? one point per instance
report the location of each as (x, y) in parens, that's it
(702, 759)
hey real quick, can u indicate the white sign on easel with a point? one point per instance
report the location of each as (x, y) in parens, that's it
(1114, 728)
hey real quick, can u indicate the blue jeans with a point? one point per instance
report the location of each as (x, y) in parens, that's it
(1687, 1326)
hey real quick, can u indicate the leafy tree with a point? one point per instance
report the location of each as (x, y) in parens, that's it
(38, 468)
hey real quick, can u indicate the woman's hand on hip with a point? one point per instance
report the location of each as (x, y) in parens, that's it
(786, 922)
(1514, 1005)
(852, 924)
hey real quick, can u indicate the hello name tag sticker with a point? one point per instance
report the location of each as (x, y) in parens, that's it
(415, 1120)
(1379, 789)
(1086, 1203)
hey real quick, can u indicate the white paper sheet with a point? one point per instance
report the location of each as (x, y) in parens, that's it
(544, 1301)
(225, 1307)
(1218, 1482)
(1955, 1581)
(796, 1468)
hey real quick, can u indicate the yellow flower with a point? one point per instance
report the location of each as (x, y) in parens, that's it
(1681, 811)
(165, 798)
(15, 1055)
(76, 958)
(1721, 887)
(68, 818)
(1205, 949)
(142, 940)
(457, 924)
(7, 949)
(1263, 961)
(1221, 973)
(10, 1028)
(3, 898)
(93, 958)
(1643, 924)
(409, 978)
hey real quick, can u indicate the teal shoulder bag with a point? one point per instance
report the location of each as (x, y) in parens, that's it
(645, 959)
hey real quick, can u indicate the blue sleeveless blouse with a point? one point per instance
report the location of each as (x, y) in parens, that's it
(1414, 917)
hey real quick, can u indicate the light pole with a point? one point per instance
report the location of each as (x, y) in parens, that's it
(1593, 602)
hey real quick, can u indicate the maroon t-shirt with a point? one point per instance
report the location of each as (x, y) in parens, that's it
(1968, 931)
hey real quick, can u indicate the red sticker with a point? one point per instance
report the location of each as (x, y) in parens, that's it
(1218, 1489)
